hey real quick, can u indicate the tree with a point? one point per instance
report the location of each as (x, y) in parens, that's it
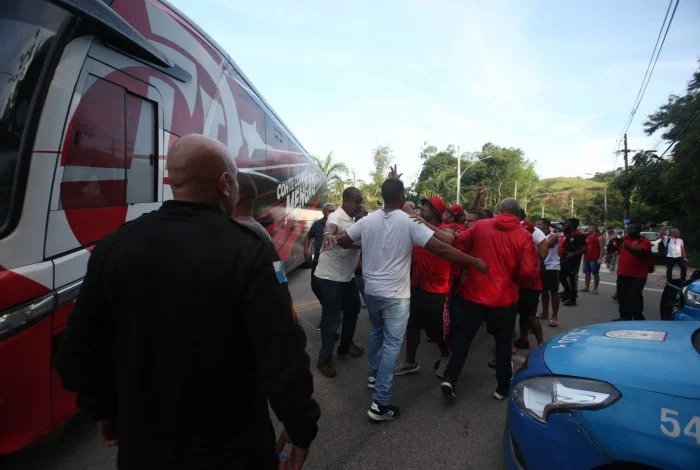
(372, 190)
(669, 185)
(334, 172)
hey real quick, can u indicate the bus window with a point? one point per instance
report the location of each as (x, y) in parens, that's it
(109, 158)
(141, 155)
(26, 31)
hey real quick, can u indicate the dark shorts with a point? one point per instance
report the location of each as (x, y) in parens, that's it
(527, 302)
(426, 312)
(550, 280)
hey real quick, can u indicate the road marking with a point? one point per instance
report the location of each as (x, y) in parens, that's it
(614, 284)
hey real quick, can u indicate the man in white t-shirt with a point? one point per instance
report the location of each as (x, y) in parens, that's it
(339, 292)
(675, 254)
(550, 274)
(388, 236)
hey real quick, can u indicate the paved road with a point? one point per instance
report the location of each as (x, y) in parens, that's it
(429, 434)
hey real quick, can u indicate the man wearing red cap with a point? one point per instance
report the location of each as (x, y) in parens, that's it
(430, 284)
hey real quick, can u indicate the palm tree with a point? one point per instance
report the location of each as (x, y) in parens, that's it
(334, 172)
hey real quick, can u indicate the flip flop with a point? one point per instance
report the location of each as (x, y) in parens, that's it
(553, 323)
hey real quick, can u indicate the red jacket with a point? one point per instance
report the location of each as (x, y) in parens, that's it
(508, 250)
(630, 264)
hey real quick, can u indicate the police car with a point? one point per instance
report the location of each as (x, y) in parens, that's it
(608, 395)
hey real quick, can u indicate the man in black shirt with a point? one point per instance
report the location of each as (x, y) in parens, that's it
(184, 329)
(574, 248)
(316, 234)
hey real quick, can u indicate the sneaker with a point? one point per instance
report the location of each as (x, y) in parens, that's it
(570, 303)
(448, 390)
(501, 393)
(382, 413)
(325, 366)
(371, 381)
(522, 343)
(406, 368)
(440, 366)
(353, 351)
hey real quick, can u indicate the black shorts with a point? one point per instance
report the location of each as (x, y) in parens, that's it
(528, 300)
(426, 312)
(550, 280)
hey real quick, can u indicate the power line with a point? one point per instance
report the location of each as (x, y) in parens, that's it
(651, 65)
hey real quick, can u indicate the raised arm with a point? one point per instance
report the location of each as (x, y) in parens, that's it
(444, 250)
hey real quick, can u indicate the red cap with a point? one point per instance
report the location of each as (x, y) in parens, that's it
(437, 203)
(456, 210)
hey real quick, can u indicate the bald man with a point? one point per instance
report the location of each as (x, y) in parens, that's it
(184, 329)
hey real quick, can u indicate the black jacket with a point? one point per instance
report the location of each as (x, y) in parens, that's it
(182, 332)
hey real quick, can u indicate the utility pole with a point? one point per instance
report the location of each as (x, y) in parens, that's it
(605, 206)
(516, 190)
(459, 173)
(626, 192)
(572, 206)
(543, 211)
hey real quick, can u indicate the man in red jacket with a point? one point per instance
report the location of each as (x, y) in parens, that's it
(632, 270)
(507, 248)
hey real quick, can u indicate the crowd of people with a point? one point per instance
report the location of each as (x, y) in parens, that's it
(184, 329)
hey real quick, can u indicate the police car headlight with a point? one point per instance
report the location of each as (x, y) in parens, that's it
(540, 396)
(691, 298)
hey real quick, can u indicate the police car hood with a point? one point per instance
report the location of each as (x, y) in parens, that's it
(657, 356)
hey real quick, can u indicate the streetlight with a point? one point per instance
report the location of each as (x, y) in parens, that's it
(460, 174)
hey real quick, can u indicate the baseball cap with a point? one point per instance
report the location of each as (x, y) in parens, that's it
(437, 203)
(456, 210)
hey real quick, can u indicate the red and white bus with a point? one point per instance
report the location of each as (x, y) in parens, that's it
(92, 94)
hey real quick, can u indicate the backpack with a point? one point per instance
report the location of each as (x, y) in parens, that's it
(663, 247)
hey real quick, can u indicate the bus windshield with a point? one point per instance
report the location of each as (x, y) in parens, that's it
(26, 31)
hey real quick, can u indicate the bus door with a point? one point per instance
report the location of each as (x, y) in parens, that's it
(109, 172)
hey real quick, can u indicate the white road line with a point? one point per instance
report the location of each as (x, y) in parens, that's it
(614, 284)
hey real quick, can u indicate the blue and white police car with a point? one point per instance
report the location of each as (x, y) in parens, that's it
(611, 395)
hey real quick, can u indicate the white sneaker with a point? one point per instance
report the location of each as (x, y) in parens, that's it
(371, 381)
(440, 366)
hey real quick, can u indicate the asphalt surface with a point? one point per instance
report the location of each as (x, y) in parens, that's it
(430, 433)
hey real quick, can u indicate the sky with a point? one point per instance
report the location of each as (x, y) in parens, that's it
(555, 78)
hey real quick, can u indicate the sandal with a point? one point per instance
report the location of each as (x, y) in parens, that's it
(553, 323)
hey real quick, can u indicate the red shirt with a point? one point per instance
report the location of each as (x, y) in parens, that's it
(510, 254)
(430, 272)
(630, 264)
(593, 244)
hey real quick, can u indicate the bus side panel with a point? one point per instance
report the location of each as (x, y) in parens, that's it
(63, 403)
(25, 394)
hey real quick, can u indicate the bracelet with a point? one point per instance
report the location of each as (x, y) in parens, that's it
(327, 233)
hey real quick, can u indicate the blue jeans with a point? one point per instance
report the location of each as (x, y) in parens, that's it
(388, 318)
(340, 299)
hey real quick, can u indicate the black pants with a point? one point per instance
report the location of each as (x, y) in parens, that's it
(315, 288)
(630, 297)
(341, 303)
(568, 276)
(670, 263)
(465, 320)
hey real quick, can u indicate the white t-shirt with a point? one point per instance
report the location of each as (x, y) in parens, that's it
(387, 243)
(338, 264)
(552, 261)
(537, 236)
(674, 247)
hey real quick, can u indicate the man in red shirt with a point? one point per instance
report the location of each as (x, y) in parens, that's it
(632, 270)
(508, 249)
(430, 284)
(593, 258)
